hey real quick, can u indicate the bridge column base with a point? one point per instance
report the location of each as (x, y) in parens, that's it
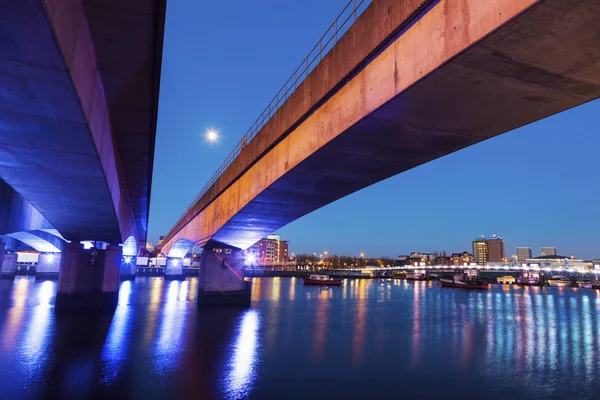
(8, 263)
(239, 298)
(222, 279)
(128, 267)
(48, 266)
(88, 278)
(174, 269)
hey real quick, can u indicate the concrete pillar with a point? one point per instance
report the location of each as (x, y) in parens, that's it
(128, 267)
(88, 278)
(8, 263)
(2, 247)
(222, 279)
(174, 268)
(48, 266)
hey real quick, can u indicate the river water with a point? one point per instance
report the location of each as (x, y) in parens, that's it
(366, 339)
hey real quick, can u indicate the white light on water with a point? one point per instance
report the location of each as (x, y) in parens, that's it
(244, 359)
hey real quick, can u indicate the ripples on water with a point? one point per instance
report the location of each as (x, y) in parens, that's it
(366, 339)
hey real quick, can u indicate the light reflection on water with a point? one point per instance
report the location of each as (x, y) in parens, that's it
(116, 347)
(36, 334)
(244, 361)
(372, 335)
(168, 346)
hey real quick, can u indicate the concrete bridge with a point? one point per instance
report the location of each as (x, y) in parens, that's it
(78, 104)
(408, 82)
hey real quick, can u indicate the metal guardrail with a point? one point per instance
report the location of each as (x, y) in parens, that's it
(336, 30)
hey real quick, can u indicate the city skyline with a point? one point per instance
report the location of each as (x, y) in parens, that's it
(521, 253)
(510, 256)
(439, 205)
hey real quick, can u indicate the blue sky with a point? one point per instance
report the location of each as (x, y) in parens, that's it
(224, 61)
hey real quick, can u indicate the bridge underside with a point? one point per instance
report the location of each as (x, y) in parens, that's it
(79, 92)
(434, 90)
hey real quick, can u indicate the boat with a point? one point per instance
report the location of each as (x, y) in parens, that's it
(322, 280)
(584, 284)
(559, 281)
(415, 277)
(506, 280)
(463, 283)
(528, 282)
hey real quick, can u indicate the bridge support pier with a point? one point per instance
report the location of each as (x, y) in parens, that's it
(8, 263)
(88, 278)
(174, 269)
(128, 267)
(221, 280)
(48, 266)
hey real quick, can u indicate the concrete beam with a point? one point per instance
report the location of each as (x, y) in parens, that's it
(73, 108)
(37, 243)
(17, 214)
(75, 43)
(381, 20)
(465, 71)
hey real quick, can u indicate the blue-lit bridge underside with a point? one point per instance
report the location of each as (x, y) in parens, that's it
(78, 105)
(462, 72)
(79, 83)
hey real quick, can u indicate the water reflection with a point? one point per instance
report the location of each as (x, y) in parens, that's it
(36, 333)
(378, 335)
(360, 320)
(320, 321)
(115, 350)
(168, 347)
(156, 293)
(244, 361)
(16, 313)
(416, 324)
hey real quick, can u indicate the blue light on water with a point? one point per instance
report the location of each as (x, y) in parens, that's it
(183, 291)
(116, 345)
(587, 335)
(168, 349)
(46, 293)
(36, 335)
(244, 360)
(125, 293)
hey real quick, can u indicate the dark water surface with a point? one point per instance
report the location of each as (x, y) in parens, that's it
(368, 339)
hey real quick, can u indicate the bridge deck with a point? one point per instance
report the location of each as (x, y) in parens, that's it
(466, 71)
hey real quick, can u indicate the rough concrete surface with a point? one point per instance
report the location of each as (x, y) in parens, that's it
(466, 71)
(70, 122)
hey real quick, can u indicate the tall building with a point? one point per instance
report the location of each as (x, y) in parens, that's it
(488, 250)
(270, 251)
(548, 251)
(523, 254)
(480, 251)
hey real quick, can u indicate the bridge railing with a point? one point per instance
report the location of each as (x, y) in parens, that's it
(334, 32)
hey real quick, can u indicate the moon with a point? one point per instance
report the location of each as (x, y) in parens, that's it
(212, 136)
